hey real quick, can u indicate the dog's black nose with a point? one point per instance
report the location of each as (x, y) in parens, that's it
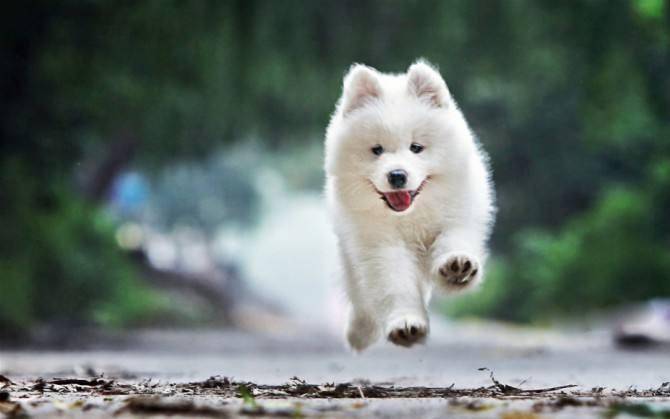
(397, 178)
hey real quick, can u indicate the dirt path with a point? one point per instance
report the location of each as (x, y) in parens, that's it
(222, 397)
(239, 374)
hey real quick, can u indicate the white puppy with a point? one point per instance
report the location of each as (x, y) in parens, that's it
(410, 197)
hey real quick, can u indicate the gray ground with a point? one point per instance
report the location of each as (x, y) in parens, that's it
(606, 379)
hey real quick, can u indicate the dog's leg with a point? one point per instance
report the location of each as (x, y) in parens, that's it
(362, 329)
(393, 292)
(458, 257)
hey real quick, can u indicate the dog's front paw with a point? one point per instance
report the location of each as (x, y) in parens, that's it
(459, 270)
(407, 330)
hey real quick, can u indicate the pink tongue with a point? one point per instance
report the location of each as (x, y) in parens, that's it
(399, 201)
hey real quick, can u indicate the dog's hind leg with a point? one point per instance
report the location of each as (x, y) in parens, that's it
(362, 330)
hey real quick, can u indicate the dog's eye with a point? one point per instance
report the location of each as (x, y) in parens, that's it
(416, 148)
(377, 150)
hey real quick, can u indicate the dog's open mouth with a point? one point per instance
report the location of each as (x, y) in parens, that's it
(399, 201)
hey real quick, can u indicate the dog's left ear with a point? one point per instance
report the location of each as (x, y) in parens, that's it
(360, 87)
(426, 83)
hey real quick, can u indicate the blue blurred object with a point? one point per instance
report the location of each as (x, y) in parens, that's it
(129, 194)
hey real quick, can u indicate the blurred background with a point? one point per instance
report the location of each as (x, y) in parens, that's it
(161, 161)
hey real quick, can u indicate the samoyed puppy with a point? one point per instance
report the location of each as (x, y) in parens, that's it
(410, 197)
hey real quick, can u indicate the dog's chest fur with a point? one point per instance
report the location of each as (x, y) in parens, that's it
(418, 235)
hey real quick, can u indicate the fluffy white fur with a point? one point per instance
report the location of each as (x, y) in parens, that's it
(391, 261)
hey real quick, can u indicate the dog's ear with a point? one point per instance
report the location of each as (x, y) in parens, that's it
(426, 83)
(361, 85)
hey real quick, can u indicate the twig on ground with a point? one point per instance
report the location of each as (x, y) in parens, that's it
(507, 389)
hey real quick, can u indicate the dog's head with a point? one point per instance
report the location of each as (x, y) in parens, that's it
(392, 135)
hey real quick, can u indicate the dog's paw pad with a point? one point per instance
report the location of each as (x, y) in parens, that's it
(459, 270)
(408, 331)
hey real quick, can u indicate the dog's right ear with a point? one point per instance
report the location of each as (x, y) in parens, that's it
(361, 85)
(426, 83)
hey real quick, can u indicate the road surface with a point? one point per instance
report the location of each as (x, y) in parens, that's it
(177, 362)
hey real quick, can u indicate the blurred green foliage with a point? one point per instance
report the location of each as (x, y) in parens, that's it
(60, 263)
(615, 253)
(571, 99)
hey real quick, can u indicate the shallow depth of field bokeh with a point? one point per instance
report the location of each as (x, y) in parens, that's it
(161, 160)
